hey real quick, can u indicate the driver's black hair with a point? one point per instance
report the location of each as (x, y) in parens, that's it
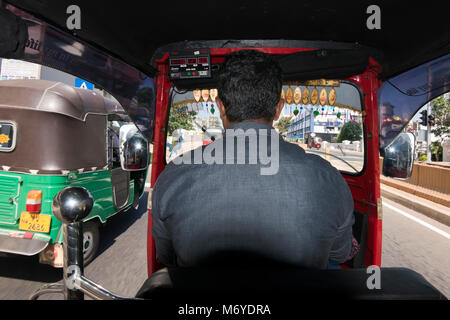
(249, 85)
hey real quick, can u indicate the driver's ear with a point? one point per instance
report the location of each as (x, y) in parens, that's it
(223, 115)
(280, 106)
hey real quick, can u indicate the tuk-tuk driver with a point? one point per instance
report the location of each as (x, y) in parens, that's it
(300, 214)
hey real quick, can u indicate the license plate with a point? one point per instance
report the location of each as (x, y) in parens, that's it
(35, 222)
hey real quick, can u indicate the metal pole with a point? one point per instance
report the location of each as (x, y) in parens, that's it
(428, 133)
(304, 121)
(73, 256)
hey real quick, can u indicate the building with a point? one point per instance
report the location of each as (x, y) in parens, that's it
(326, 125)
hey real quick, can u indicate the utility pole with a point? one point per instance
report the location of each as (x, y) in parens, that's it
(428, 134)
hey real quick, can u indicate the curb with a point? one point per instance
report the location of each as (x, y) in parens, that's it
(426, 207)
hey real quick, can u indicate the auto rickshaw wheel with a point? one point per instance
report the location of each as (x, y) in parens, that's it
(91, 241)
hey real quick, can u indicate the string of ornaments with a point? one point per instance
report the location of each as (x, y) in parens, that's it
(313, 98)
(209, 98)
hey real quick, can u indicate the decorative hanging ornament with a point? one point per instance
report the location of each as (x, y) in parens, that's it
(316, 113)
(213, 94)
(212, 108)
(282, 94)
(296, 112)
(323, 97)
(305, 96)
(205, 94)
(332, 97)
(314, 96)
(297, 95)
(197, 94)
(289, 95)
(339, 115)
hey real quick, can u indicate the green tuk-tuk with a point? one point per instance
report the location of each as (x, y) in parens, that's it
(52, 136)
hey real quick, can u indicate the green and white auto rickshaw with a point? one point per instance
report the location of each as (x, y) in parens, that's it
(52, 136)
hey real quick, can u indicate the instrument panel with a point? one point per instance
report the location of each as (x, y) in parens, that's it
(190, 64)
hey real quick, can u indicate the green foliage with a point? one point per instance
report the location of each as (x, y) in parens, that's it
(441, 111)
(351, 131)
(423, 158)
(283, 124)
(436, 151)
(180, 118)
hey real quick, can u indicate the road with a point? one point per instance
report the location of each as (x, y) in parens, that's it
(411, 244)
(121, 264)
(345, 160)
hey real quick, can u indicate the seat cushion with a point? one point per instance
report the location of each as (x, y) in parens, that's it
(396, 283)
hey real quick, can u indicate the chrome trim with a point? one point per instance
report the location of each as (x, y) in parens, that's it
(77, 281)
(21, 246)
(48, 288)
(13, 146)
(97, 292)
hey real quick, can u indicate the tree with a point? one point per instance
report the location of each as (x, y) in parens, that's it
(283, 124)
(441, 110)
(351, 131)
(180, 118)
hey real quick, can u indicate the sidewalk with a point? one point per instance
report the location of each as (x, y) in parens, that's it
(431, 203)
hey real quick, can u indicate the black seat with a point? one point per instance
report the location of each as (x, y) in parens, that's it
(396, 283)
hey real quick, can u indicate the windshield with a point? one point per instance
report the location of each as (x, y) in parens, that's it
(400, 97)
(134, 90)
(322, 117)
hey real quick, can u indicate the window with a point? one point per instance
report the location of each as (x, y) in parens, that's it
(115, 122)
(327, 120)
(330, 118)
(191, 123)
(8, 132)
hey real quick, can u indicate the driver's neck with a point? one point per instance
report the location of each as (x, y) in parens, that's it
(229, 124)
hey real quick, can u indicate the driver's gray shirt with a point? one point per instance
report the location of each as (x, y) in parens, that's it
(301, 215)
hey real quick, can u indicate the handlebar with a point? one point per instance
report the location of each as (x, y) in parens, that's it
(71, 205)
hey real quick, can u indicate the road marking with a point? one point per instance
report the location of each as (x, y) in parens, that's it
(429, 226)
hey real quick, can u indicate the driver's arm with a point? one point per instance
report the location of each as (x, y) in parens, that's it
(165, 252)
(342, 245)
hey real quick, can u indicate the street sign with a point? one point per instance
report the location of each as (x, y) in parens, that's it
(83, 84)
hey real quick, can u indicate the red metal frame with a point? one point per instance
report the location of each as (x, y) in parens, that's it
(365, 188)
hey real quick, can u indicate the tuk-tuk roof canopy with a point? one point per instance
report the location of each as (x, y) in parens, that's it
(411, 33)
(55, 97)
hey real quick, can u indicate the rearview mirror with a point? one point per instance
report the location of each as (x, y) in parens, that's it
(133, 149)
(399, 157)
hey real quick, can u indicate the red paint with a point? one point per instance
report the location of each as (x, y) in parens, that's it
(365, 188)
(28, 235)
(163, 87)
(33, 208)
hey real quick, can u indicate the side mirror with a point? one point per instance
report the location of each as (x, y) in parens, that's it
(133, 149)
(399, 157)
